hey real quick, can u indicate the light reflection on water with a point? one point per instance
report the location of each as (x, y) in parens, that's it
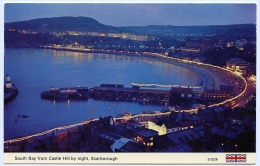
(37, 70)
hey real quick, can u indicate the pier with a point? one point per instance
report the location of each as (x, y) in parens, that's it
(149, 94)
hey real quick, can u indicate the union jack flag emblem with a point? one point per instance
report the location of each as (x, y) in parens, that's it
(236, 158)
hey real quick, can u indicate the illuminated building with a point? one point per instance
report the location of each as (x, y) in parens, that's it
(240, 44)
(121, 35)
(180, 92)
(238, 65)
(146, 137)
(216, 95)
(198, 46)
(11, 29)
(164, 128)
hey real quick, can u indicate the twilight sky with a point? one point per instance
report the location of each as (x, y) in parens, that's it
(138, 14)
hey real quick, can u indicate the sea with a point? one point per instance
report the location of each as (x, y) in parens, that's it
(35, 70)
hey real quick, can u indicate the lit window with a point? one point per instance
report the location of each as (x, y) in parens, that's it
(151, 138)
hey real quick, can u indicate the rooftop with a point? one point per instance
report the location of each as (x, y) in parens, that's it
(236, 60)
(148, 133)
(119, 143)
(183, 136)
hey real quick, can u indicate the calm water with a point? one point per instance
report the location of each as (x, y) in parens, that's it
(37, 70)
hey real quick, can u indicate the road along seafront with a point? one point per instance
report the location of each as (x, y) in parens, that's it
(210, 72)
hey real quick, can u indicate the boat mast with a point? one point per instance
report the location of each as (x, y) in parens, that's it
(92, 113)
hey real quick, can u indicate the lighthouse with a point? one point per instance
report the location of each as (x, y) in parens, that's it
(8, 83)
(10, 91)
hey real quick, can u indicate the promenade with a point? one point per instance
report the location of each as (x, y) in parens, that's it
(211, 77)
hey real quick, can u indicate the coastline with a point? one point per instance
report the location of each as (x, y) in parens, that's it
(207, 78)
(204, 78)
(193, 67)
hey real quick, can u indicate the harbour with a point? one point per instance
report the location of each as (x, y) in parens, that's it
(100, 105)
(68, 67)
(147, 95)
(142, 93)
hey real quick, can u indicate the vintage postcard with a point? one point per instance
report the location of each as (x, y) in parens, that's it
(129, 83)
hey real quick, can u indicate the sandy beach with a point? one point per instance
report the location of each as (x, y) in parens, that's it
(210, 79)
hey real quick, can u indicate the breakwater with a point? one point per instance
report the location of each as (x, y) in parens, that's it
(143, 93)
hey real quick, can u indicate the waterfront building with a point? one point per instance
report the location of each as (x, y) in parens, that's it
(138, 37)
(113, 35)
(197, 47)
(93, 33)
(181, 92)
(74, 33)
(130, 36)
(191, 51)
(102, 34)
(198, 93)
(216, 95)
(200, 59)
(238, 65)
(124, 35)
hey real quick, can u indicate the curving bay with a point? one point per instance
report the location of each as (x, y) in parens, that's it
(37, 70)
